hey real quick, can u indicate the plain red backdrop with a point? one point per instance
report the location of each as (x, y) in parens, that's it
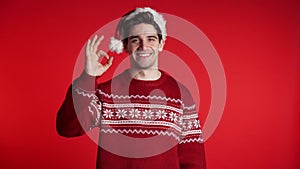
(258, 43)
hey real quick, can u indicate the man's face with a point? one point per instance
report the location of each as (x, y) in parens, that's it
(143, 46)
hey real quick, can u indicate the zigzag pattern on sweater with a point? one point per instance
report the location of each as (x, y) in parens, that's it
(140, 131)
(151, 132)
(85, 93)
(142, 122)
(138, 97)
(198, 140)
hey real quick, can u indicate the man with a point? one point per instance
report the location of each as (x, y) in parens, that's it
(147, 119)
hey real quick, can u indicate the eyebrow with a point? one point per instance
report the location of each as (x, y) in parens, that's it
(149, 36)
(152, 36)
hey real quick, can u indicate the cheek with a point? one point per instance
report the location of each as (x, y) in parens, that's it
(155, 47)
(129, 49)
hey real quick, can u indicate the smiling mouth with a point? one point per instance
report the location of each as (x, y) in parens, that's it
(143, 55)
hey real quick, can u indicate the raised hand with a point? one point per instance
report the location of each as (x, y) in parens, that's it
(92, 65)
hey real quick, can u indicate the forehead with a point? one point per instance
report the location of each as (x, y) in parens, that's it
(142, 29)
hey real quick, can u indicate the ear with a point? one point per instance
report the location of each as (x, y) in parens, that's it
(161, 45)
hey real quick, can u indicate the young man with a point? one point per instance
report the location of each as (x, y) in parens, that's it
(147, 119)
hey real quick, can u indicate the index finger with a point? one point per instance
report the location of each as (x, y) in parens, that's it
(99, 40)
(102, 53)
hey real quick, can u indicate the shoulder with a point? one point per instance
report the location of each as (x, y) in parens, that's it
(170, 80)
(116, 82)
(178, 86)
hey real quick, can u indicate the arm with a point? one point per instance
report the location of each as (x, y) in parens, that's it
(80, 110)
(191, 148)
(78, 113)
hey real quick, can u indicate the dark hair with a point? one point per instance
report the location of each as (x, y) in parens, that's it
(125, 25)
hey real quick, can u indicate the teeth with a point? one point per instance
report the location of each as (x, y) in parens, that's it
(144, 54)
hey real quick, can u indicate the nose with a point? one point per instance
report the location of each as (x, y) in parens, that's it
(142, 45)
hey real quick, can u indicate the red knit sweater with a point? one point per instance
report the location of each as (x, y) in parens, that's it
(143, 124)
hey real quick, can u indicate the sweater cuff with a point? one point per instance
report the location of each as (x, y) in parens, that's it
(86, 82)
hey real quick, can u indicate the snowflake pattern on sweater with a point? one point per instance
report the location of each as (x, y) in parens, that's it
(148, 114)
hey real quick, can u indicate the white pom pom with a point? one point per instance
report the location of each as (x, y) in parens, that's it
(116, 45)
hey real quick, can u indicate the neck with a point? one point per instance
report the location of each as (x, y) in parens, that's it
(145, 74)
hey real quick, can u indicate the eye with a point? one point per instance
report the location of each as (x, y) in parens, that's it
(151, 39)
(134, 40)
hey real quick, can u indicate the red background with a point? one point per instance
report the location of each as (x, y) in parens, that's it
(258, 43)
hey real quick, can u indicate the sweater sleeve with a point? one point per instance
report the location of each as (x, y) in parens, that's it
(80, 111)
(191, 147)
